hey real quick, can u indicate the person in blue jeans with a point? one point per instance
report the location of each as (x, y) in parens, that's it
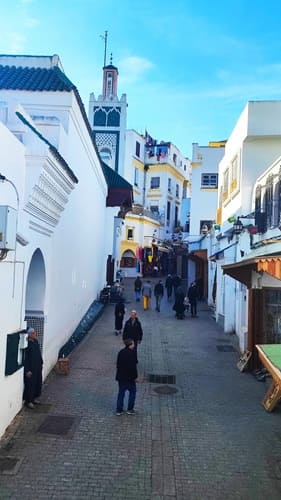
(126, 376)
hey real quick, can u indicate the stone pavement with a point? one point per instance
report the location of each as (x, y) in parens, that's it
(211, 439)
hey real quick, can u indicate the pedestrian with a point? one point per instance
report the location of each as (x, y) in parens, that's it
(179, 303)
(158, 294)
(126, 376)
(138, 287)
(169, 286)
(146, 294)
(119, 316)
(133, 330)
(192, 297)
(33, 363)
(176, 283)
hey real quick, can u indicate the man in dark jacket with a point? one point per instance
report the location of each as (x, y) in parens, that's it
(126, 375)
(133, 330)
(33, 363)
(138, 287)
(192, 297)
(169, 286)
(158, 293)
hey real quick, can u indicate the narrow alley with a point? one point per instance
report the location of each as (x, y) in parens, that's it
(200, 433)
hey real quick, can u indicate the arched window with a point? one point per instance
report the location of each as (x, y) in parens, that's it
(269, 201)
(100, 118)
(258, 199)
(106, 156)
(113, 118)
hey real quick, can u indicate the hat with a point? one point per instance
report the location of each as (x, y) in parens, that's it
(128, 342)
(30, 330)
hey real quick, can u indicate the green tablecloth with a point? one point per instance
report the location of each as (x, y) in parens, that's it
(273, 352)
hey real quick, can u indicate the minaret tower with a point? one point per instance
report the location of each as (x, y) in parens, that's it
(108, 118)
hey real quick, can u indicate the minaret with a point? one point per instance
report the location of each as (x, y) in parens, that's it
(108, 119)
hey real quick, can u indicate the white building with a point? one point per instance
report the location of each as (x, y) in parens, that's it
(203, 205)
(249, 188)
(58, 231)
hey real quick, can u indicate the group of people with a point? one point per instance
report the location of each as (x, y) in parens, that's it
(127, 359)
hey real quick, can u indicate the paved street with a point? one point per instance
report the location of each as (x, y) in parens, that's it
(211, 439)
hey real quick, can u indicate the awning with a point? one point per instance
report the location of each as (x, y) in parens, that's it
(242, 270)
(201, 254)
(220, 253)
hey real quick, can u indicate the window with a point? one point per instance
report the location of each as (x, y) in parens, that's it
(109, 84)
(176, 216)
(136, 177)
(154, 182)
(130, 234)
(154, 209)
(175, 158)
(234, 174)
(168, 211)
(177, 190)
(269, 201)
(137, 149)
(169, 185)
(209, 180)
(225, 184)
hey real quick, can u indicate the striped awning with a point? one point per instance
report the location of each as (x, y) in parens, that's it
(242, 270)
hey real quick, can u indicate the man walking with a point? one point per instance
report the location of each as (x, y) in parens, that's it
(158, 293)
(146, 294)
(133, 330)
(192, 297)
(169, 286)
(138, 286)
(126, 376)
(33, 363)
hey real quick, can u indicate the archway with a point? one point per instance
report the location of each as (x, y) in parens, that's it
(35, 294)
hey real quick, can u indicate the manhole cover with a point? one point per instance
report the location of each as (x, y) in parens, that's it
(161, 379)
(165, 389)
(9, 465)
(59, 425)
(225, 348)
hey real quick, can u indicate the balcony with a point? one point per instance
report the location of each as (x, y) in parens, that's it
(139, 210)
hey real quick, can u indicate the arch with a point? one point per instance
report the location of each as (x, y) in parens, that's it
(100, 118)
(128, 259)
(113, 118)
(35, 294)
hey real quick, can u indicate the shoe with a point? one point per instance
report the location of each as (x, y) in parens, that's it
(36, 402)
(118, 413)
(30, 406)
(131, 412)
(116, 333)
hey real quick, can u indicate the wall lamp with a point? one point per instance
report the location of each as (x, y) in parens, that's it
(238, 226)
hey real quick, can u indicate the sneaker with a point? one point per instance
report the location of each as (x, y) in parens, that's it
(36, 402)
(30, 406)
(131, 412)
(118, 413)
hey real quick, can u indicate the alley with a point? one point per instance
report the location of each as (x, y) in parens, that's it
(205, 435)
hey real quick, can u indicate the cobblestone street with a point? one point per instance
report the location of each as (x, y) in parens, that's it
(211, 439)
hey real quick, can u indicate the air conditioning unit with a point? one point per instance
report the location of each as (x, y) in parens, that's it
(8, 227)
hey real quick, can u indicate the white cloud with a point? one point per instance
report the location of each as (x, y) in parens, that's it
(31, 22)
(133, 68)
(16, 42)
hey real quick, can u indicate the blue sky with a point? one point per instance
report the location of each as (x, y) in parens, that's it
(188, 67)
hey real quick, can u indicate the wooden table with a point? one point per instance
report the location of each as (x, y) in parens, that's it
(270, 356)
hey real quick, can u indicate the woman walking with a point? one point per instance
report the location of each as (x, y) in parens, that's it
(119, 316)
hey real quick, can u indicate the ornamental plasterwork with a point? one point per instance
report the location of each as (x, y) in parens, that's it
(48, 198)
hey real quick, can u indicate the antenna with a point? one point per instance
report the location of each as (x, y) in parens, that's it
(104, 37)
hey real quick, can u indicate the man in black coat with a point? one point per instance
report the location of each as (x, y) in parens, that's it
(158, 294)
(133, 330)
(33, 363)
(192, 297)
(126, 375)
